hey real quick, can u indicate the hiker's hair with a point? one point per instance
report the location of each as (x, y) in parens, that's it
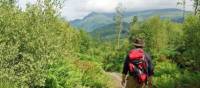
(139, 46)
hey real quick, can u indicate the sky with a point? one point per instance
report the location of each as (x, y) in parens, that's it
(77, 9)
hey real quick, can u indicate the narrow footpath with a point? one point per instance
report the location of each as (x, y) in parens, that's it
(116, 77)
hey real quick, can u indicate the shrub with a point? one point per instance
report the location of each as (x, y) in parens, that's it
(190, 57)
(168, 75)
(189, 79)
(77, 73)
(31, 41)
(166, 67)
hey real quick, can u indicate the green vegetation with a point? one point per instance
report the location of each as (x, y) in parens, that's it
(92, 21)
(174, 48)
(192, 39)
(38, 49)
(169, 75)
(108, 33)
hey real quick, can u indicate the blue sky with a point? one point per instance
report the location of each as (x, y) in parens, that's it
(77, 9)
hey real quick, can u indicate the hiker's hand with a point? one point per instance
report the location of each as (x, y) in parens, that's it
(123, 79)
(123, 82)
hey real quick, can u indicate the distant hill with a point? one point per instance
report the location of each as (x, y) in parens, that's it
(103, 23)
(92, 21)
(109, 32)
(170, 13)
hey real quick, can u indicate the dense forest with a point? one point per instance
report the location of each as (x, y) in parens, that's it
(39, 49)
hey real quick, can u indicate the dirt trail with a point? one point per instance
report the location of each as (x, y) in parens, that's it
(116, 77)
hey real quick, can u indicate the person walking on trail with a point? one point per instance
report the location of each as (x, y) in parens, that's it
(138, 67)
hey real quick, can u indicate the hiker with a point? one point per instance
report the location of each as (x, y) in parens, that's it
(138, 68)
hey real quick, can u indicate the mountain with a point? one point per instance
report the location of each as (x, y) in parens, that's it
(92, 21)
(170, 13)
(104, 24)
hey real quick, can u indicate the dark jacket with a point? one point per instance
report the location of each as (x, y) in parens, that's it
(150, 67)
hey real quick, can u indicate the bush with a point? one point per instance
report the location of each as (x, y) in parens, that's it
(168, 75)
(37, 47)
(164, 81)
(190, 57)
(166, 67)
(77, 73)
(6, 83)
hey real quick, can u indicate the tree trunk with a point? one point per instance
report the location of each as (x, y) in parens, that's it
(119, 33)
(196, 5)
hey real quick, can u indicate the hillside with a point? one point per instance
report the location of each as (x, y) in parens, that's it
(109, 32)
(92, 21)
(96, 20)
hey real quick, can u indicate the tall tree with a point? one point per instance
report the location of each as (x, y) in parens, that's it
(119, 23)
(133, 29)
(183, 3)
(134, 20)
(196, 7)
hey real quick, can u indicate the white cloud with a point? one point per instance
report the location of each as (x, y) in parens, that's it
(148, 4)
(76, 9)
(134, 5)
(101, 5)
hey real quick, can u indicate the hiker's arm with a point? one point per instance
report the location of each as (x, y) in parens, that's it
(149, 59)
(125, 67)
(125, 70)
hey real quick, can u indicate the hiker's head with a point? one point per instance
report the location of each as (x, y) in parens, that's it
(138, 43)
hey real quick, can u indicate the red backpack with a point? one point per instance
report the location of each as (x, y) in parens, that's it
(138, 65)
